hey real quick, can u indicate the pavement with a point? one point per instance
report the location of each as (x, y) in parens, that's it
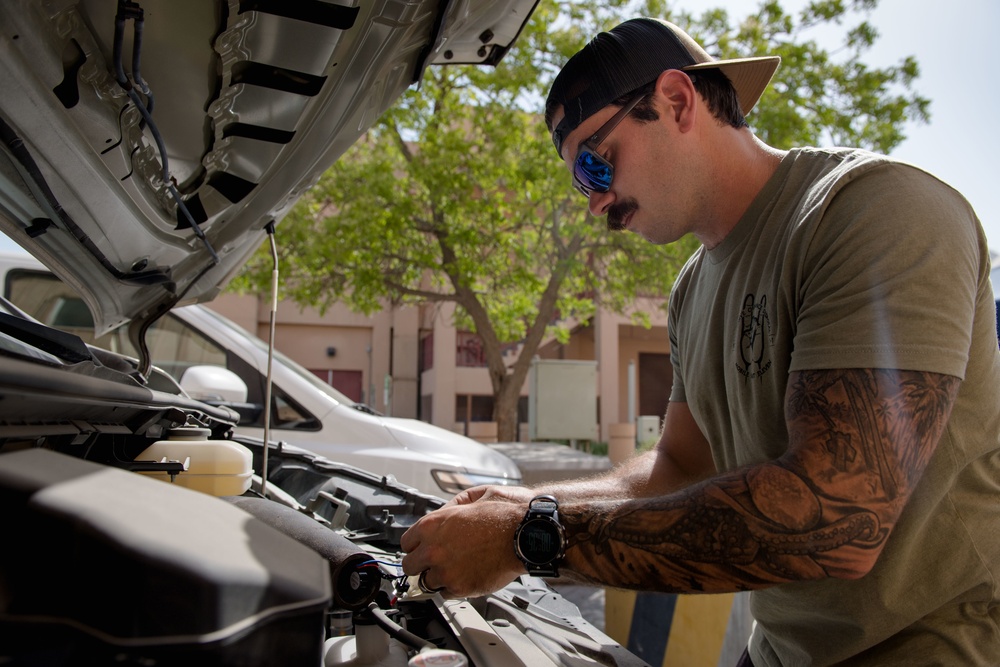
(590, 601)
(550, 462)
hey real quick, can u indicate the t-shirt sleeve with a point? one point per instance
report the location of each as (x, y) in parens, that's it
(889, 276)
(677, 393)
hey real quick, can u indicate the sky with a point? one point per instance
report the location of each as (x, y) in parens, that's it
(951, 41)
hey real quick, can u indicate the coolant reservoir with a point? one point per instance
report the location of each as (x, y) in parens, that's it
(216, 467)
(369, 647)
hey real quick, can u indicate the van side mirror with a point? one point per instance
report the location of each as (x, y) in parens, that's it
(213, 383)
(220, 386)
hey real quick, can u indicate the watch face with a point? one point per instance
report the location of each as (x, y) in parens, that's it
(539, 541)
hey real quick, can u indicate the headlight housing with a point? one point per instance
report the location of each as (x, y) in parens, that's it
(456, 481)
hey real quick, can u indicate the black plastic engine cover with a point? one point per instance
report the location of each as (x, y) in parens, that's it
(103, 564)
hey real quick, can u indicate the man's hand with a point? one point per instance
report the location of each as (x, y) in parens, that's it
(466, 548)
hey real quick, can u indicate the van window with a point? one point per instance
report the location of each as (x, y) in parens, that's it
(51, 302)
(281, 358)
(286, 413)
(175, 347)
(172, 345)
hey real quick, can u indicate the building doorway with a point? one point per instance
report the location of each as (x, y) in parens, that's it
(656, 375)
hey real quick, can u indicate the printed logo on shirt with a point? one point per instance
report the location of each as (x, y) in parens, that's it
(755, 338)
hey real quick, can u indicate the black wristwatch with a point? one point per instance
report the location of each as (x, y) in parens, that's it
(540, 540)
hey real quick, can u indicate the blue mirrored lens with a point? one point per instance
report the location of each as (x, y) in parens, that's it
(592, 172)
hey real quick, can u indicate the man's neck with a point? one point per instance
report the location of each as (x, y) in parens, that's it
(742, 167)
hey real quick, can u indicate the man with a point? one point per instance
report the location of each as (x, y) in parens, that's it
(832, 440)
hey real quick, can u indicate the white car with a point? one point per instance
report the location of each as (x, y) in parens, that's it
(140, 527)
(193, 344)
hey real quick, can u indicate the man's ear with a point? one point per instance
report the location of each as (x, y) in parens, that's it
(677, 98)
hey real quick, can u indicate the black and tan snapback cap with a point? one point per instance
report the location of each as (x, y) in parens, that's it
(631, 55)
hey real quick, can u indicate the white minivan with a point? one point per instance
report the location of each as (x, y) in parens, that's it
(193, 344)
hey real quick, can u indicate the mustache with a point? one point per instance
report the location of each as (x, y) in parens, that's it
(618, 212)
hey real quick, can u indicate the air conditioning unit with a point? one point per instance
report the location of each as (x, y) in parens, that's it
(647, 429)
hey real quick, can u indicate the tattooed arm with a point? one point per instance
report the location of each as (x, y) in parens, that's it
(858, 442)
(467, 546)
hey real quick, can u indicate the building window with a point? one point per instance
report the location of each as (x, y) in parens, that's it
(473, 408)
(426, 361)
(656, 376)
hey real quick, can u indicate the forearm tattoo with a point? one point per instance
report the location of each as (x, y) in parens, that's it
(858, 442)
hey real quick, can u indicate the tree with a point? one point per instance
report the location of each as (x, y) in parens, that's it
(457, 195)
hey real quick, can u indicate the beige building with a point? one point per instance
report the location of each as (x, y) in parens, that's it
(412, 362)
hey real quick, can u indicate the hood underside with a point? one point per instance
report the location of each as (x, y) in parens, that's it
(247, 101)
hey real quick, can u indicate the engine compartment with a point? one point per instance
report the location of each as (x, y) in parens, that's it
(127, 569)
(104, 564)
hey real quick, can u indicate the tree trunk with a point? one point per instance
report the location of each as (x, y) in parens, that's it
(505, 410)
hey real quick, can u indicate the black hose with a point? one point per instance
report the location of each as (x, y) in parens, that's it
(354, 586)
(137, 25)
(395, 630)
(116, 52)
(132, 11)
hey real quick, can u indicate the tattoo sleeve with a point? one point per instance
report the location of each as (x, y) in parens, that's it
(858, 443)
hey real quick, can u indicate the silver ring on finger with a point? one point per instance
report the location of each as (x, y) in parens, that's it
(422, 584)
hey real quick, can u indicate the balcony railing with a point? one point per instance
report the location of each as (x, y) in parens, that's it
(469, 350)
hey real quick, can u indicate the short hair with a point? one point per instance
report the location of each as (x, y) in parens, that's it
(713, 86)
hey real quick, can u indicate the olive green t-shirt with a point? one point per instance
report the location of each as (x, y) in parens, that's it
(848, 259)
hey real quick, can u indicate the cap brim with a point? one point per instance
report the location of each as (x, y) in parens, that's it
(749, 76)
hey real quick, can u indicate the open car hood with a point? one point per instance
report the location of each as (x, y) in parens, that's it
(252, 101)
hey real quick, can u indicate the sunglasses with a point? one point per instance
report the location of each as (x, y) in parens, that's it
(591, 172)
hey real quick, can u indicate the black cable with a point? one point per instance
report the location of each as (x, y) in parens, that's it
(137, 25)
(33, 175)
(397, 631)
(117, 47)
(132, 11)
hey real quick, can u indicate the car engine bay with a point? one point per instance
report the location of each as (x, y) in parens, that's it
(106, 565)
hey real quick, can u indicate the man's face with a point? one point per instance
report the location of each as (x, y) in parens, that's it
(636, 186)
(591, 171)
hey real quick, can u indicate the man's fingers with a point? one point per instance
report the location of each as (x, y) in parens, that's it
(468, 496)
(413, 563)
(415, 559)
(410, 540)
